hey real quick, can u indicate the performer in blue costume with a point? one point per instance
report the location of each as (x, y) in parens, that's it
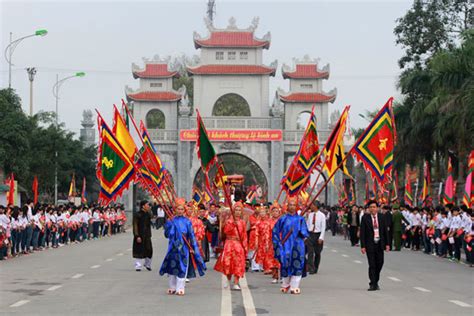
(288, 243)
(183, 257)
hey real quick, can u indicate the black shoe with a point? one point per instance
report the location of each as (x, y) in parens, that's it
(372, 288)
(138, 270)
(148, 268)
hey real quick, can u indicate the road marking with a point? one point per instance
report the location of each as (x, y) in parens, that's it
(345, 256)
(129, 249)
(334, 250)
(357, 261)
(226, 301)
(394, 279)
(96, 266)
(247, 298)
(422, 289)
(54, 288)
(108, 260)
(462, 304)
(120, 254)
(77, 276)
(19, 303)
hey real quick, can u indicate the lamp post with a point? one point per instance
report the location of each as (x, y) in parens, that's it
(56, 87)
(11, 48)
(31, 75)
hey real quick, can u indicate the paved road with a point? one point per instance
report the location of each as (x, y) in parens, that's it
(97, 277)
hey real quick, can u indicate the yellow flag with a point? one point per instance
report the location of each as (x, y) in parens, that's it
(123, 135)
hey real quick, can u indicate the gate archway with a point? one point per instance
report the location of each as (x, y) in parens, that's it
(238, 164)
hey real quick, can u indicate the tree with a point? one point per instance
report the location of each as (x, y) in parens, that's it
(430, 26)
(28, 146)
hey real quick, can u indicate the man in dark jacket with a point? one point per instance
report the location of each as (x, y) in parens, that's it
(373, 242)
(353, 223)
(142, 246)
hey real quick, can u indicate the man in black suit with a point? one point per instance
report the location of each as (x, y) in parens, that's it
(373, 241)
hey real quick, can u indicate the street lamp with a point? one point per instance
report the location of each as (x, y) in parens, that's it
(56, 87)
(11, 48)
(31, 76)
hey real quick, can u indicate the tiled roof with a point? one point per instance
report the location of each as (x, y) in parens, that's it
(231, 39)
(154, 96)
(232, 70)
(307, 97)
(305, 71)
(155, 71)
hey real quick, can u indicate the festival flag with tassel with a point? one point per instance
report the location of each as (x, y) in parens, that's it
(448, 196)
(11, 190)
(205, 150)
(72, 188)
(426, 191)
(35, 190)
(375, 146)
(115, 169)
(84, 192)
(468, 196)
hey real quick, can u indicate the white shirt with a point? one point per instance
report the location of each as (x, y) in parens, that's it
(4, 221)
(415, 219)
(160, 212)
(36, 219)
(455, 223)
(316, 223)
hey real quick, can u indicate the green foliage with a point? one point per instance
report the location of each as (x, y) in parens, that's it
(155, 119)
(231, 105)
(436, 114)
(28, 145)
(429, 27)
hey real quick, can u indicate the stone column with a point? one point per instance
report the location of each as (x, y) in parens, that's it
(183, 180)
(277, 161)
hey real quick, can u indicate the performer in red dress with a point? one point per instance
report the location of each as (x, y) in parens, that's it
(198, 226)
(231, 261)
(253, 221)
(265, 253)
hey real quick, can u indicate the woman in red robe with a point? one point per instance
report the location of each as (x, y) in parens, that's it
(198, 227)
(253, 220)
(265, 253)
(231, 261)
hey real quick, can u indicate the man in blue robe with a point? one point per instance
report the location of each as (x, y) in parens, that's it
(288, 243)
(183, 257)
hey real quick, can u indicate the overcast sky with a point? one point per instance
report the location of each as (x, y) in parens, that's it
(104, 38)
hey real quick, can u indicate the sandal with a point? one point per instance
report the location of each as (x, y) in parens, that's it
(171, 291)
(285, 289)
(295, 291)
(180, 292)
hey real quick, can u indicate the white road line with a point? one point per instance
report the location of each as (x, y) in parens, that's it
(394, 279)
(54, 288)
(357, 261)
(334, 250)
(459, 303)
(120, 254)
(77, 276)
(226, 301)
(19, 303)
(108, 260)
(422, 289)
(96, 266)
(345, 256)
(247, 298)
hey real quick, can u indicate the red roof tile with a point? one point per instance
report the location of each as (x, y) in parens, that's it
(231, 39)
(307, 97)
(155, 71)
(154, 96)
(232, 70)
(306, 71)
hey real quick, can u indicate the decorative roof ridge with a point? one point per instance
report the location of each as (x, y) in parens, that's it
(306, 60)
(129, 91)
(331, 94)
(155, 60)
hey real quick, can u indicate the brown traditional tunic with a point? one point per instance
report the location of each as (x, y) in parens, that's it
(142, 229)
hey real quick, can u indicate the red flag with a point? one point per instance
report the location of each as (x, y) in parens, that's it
(83, 193)
(449, 187)
(11, 192)
(35, 190)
